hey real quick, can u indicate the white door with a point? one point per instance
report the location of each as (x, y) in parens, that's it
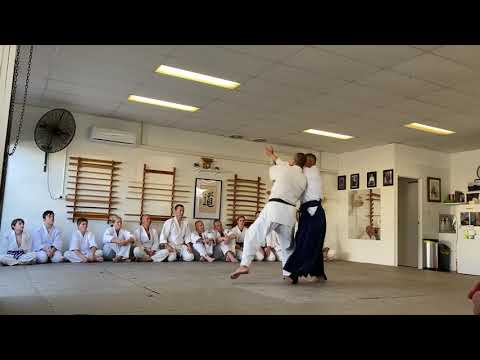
(407, 222)
(468, 249)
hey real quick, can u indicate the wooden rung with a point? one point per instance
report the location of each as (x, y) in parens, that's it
(84, 183)
(150, 188)
(154, 194)
(232, 191)
(239, 197)
(90, 207)
(96, 160)
(92, 196)
(88, 189)
(245, 186)
(153, 183)
(246, 181)
(94, 172)
(154, 217)
(91, 178)
(87, 213)
(98, 166)
(83, 200)
(151, 171)
(248, 201)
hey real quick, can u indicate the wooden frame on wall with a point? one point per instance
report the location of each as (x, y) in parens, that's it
(354, 181)
(342, 182)
(434, 189)
(207, 199)
(388, 177)
(371, 179)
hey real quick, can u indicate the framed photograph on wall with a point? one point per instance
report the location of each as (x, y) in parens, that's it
(388, 177)
(434, 189)
(342, 182)
(208, 199)
(354, 181)
(371, 179)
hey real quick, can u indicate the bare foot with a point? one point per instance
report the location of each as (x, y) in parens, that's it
(202, 259)
(240, 271)
(209, 259)
(99, 259)
(476, 303)
(117, 259)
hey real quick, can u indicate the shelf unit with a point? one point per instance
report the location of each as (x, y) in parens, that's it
(92, 185)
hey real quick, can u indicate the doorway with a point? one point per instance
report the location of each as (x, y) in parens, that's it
(408, 222)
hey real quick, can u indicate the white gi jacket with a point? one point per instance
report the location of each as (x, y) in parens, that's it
(83, 243)
(174, 233)
(11, 242)
(111, 234)
(42, 240)
(142, 239)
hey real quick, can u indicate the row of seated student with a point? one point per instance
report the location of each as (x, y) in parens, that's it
(176, 241)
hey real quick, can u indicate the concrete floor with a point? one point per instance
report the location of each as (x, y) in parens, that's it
(200, 288)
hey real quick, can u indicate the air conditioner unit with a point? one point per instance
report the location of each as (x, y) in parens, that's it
(113, 136)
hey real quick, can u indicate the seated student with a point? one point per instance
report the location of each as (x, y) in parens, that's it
(147, 243)
(239, 232)
(83, 247)
(175, 237)
(47, 240)
(225, 240)
(273, 250)
(117, 241)
(19, 246)
(202, 243)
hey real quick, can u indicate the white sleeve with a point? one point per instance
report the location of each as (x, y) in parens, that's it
(188, 233)
(165, 232)
(127, 234)
(281, 162)
(28, 241)
(91, 240)
(109, 235)
(75, 241)
(137, 234)
(57, 240)
(156, 244)
(37, 240)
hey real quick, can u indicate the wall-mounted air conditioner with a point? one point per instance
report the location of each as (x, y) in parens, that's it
(113, 136)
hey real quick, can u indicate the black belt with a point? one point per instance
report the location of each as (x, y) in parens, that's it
(281, 201)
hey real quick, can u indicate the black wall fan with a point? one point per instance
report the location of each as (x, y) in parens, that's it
(54, 132)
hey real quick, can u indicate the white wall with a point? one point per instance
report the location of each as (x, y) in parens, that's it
(377, 159)
(463, 169)
(27, 194)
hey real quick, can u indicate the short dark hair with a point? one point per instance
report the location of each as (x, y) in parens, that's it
(178, 205)
(80, 220)
(217, 221)
(142, 216)
(46, 213)
(311, 157)
(300, 159)
(198, 221)
(17, 220)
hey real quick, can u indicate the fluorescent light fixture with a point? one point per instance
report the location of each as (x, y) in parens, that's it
(429, 129)
(329, 134)
(156, 102)
(189, 75)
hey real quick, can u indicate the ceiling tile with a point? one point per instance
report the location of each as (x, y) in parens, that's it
(270, 52)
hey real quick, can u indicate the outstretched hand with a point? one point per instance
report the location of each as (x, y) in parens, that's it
(269, 151)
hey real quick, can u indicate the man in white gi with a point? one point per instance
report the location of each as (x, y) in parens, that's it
(239, 232)
(47, 240)
(147, 242)
(83, 247)
(19, 246)
(202, 243)
(117, 241)
(279, 213)
(175, 237)
(225, 240)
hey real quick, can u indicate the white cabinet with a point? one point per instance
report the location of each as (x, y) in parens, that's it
(468, 239)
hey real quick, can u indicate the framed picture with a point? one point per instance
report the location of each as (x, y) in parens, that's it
(354, 181)
(434, 189)
(388, 177)
(372, 179)
(208, 199)
(342, 182)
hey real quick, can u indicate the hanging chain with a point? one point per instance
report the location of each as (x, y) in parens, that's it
(14, 91)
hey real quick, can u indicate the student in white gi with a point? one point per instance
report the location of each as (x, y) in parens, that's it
(117, 241)
(202, 243)
(239, 232)
(19, 246)
(147, 243)
(225, 240)
(175, 237)
(47, 240)
(279, 213)
(83, 247)
(265, 252)
(273, 250)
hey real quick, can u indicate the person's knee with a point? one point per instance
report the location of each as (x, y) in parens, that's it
(57, 257)
(259, 256)
(188, 257)
(42, 257)
(138, 252)
(99, 253)
(172, 257)
(271, 256)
